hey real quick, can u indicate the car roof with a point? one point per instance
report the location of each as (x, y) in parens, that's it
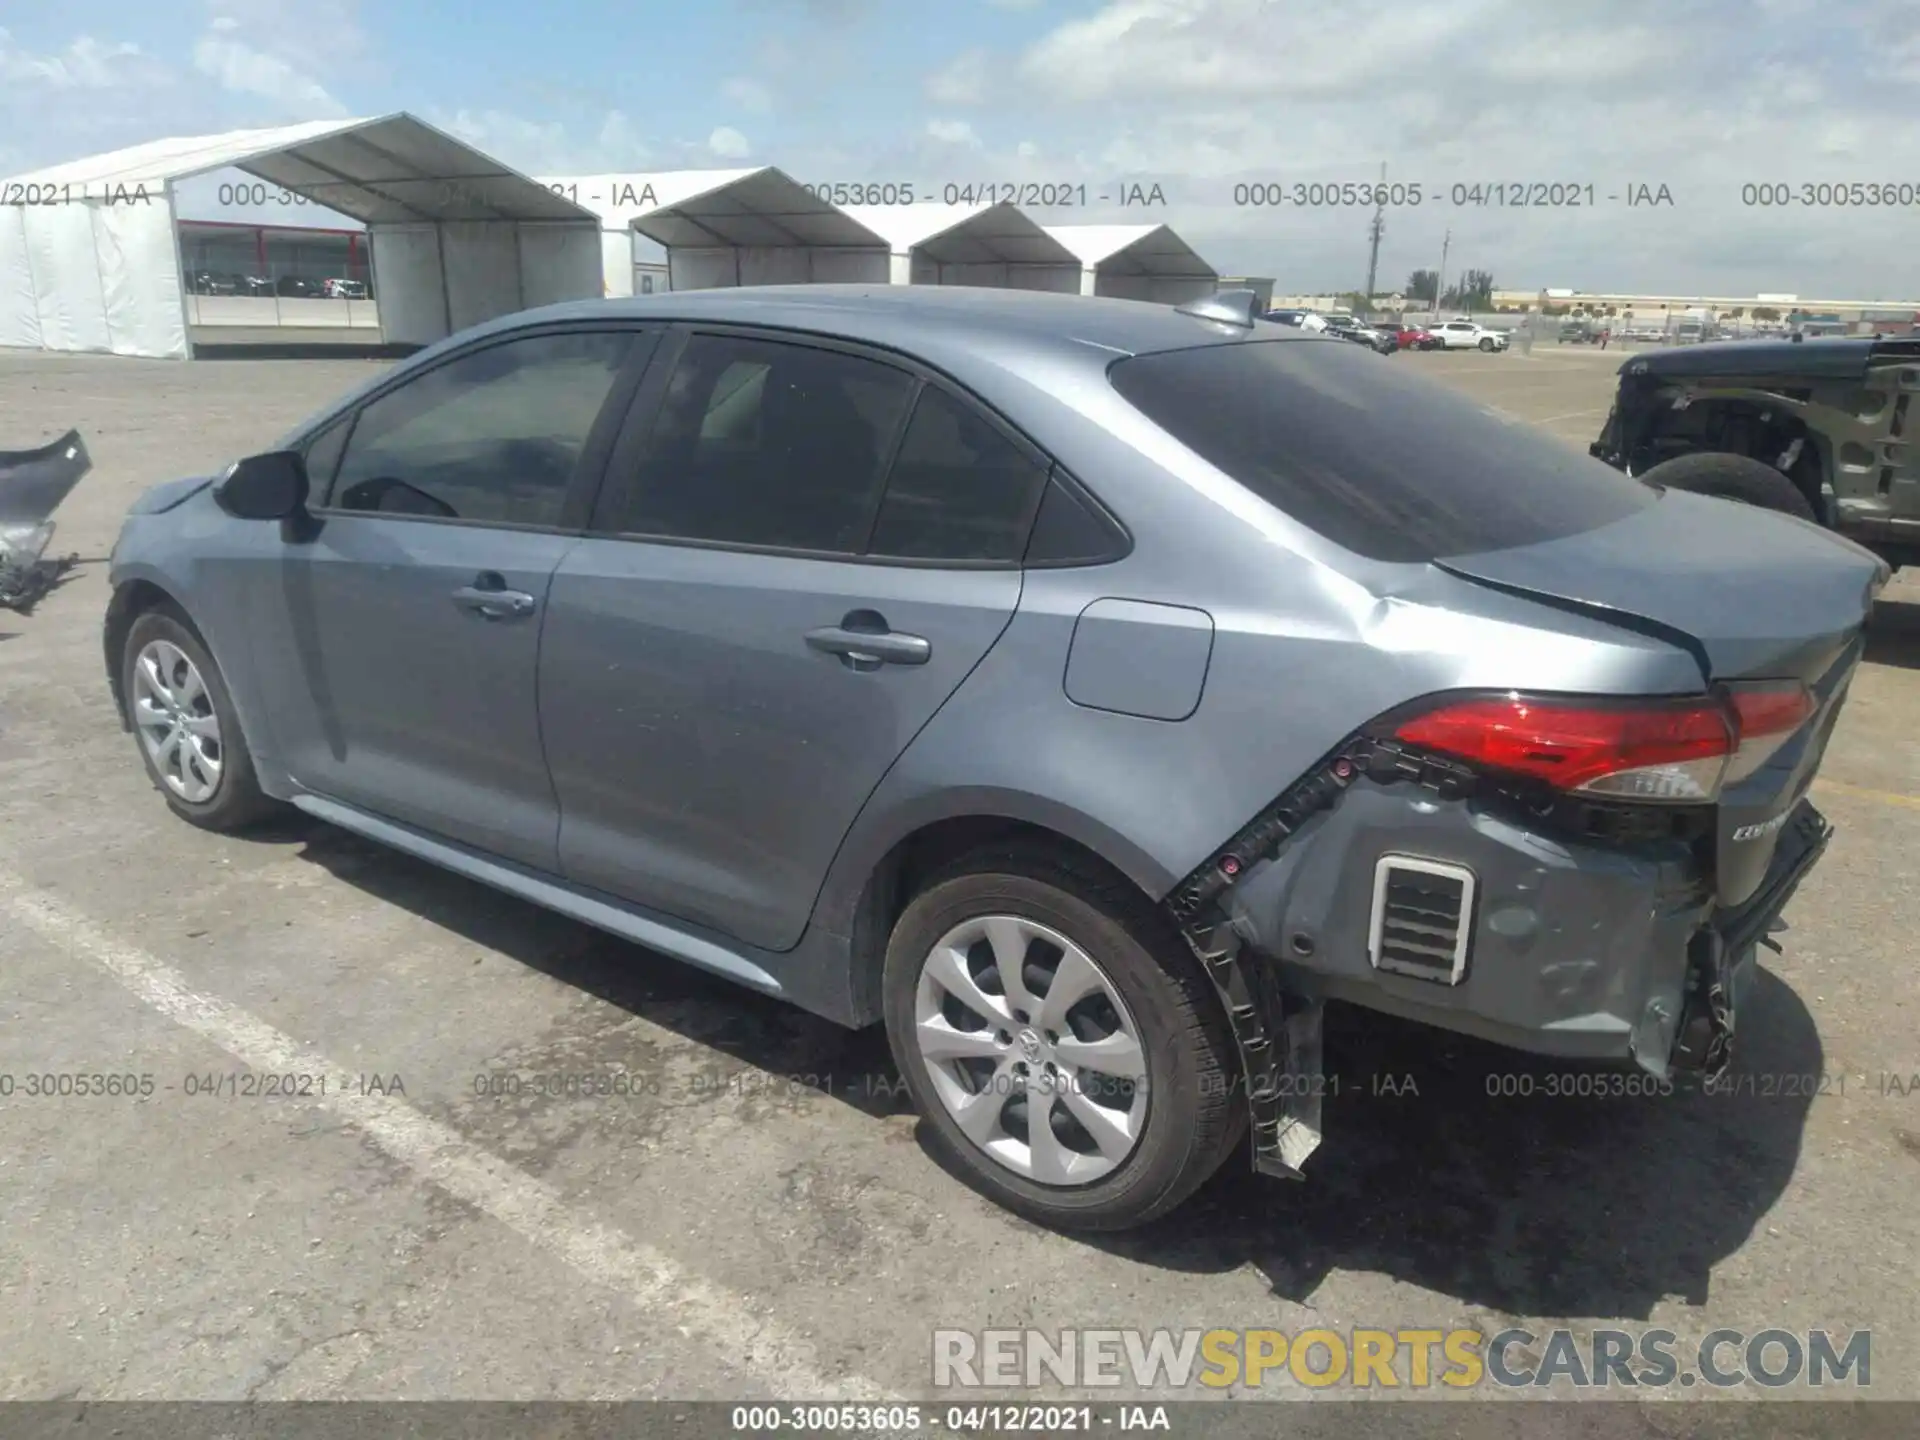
(919, 319)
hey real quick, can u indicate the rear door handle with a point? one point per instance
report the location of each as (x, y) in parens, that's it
(863, 642)
(489, 598)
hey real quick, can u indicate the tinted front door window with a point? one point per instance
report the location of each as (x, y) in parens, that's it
(492, 436)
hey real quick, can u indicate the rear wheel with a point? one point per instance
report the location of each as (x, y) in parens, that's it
(1732, 477)
(1055, 1031)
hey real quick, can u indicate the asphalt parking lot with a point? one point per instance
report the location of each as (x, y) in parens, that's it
(760, 1219)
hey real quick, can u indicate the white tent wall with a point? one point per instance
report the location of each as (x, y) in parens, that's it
(411, 284)
(993, 274)
(717, 267)
(19, 298)
(1160, 289)
(482, 271)
(140, 282)
(66, 273)
(438, 279)
(91, 276)
(561, 262)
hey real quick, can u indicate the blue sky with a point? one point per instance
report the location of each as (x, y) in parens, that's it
(1197, 96)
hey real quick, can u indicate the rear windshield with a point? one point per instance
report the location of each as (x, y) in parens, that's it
(1377, 459)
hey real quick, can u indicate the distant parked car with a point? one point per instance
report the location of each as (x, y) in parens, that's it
(345, 289)
(1466, 335)
(1416, 337)
(1348, 328)
(1300, 319)
(256, 285)
(1578, 332)
(208, 283)
(297, 286)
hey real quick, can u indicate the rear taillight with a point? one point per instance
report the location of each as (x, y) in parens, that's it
(1652, 749)
(1767, 717)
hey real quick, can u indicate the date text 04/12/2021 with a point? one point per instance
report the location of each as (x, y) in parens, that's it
(1030, 194)
(955, 1419)
(1478, 195)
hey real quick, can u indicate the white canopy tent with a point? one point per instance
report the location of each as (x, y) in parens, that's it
(992, 245)
(455, 236)
(724, 227)
(753, 227)
(1137, 262)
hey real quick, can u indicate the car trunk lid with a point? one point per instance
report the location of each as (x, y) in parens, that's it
(1752, 595)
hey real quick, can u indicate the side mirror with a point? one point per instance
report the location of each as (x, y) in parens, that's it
(264, 487)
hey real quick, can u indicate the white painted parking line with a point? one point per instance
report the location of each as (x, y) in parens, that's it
(660, 1288)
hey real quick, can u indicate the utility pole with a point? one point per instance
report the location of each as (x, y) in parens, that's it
(1440, 280)
(1374, 232)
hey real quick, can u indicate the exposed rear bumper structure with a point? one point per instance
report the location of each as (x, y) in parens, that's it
(1587, 948)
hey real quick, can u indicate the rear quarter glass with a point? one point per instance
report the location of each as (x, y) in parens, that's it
(1382, 462)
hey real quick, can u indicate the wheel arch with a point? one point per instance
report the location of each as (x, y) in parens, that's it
(876, 877)
(132, 598)
(1811, 468)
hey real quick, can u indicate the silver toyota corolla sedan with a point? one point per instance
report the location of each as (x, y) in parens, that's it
(1089, 690)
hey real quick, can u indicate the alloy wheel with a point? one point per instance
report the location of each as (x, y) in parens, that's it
(174, 714)
(1031, 1050)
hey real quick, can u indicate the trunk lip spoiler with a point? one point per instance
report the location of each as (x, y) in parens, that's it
(1593, 609)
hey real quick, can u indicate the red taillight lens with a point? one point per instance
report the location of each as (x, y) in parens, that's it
(1771, 710)
(1646, 749)
(1767, 716)
(1655, 749)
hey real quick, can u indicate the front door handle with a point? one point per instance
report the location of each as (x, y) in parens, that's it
(489, 598)
(863, 641)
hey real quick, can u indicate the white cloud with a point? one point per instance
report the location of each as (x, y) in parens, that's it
(239, 67)
(749, 94)
(729, 144)
(1201, 95)
(86, 64)
(953, 132)
(961, 81)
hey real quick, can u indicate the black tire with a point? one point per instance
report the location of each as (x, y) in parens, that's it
(1487, 345)
(1732, 477)
(1195, 1111)
(237, 800)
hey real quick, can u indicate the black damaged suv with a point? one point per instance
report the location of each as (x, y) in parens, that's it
(1821, 429)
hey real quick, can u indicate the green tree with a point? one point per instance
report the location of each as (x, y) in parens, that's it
(1421, 285)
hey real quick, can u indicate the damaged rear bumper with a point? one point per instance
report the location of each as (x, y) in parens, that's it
(1566, 947)
(32, 485)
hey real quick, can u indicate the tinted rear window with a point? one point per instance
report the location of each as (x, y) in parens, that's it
(1377, 459)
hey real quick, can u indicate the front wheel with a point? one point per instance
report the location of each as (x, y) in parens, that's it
(183, 717)
(1487, 345)
(1054, 1029)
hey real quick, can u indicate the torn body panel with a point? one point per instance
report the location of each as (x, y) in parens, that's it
(32, 485)
(1588, 930)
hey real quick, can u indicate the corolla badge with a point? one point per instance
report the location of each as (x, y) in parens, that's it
(1765, 827)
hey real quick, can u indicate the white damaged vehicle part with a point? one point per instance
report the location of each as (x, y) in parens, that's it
(32, 485)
